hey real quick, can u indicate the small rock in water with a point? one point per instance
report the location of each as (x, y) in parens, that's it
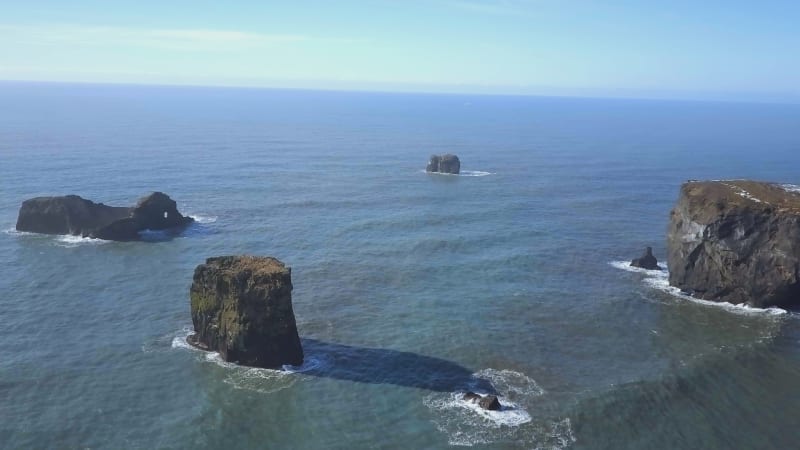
(488, 402)
(646, 261)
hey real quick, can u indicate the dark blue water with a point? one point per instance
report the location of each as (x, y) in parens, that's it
(408, 286)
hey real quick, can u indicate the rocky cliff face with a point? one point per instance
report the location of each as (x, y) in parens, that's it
(444, 164)
(242, 308)
(736, 241)
(77, 216)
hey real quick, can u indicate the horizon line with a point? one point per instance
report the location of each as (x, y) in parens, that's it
(792, 100)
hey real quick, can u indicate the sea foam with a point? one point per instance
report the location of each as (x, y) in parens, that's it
(474, 173)
(60, 240)
(14, 232)
(201, 218)
(467, 424)
(791, 188)
(257, 379)
(69, 241)
(659, 279)
(464, 173)
(511, 414)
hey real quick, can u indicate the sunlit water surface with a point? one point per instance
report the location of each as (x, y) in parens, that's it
(409, 287)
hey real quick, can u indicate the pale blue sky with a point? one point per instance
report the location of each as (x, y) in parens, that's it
(687, 49)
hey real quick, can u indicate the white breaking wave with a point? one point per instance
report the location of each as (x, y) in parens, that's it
(467, 424)
(659, 279)
(69, 241)
(200, 218)
(61, 240)
(510, 383)
(626, 265)
(474, 173)
(14, 232)
(464, 173)
(179, 341)
(510, 414)
(261, 380)
(791, 188)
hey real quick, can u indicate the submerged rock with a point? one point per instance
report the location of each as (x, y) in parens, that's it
(646, 261)
(242, 308)
(471, 396)
(77, 216)
(444, 164)
(736, 241)
(488, 402)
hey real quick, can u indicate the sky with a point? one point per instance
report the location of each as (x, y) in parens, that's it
(698, 49)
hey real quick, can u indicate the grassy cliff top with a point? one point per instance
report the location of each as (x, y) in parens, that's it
(725, 194)
(254, 264)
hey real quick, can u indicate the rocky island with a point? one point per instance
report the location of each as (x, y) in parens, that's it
(736, 241)
(444, 164)
(242, 308)
(77, 216)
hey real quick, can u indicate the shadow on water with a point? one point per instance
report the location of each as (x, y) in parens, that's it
(191, 230)
(384, 366)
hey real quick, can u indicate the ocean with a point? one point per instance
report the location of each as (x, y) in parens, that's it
(408, 287)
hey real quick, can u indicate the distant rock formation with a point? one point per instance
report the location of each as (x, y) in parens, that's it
(646, 261)
(77, 216)
(444, 164)
(242, 308)
(736, 241)
(489, 402)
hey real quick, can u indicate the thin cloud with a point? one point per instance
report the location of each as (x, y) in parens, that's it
(168, 39)
(493, 7)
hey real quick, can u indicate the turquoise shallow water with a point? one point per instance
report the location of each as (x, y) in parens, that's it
(408, 286)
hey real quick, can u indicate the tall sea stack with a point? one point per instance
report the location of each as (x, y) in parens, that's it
(736, 241)
(242, 308)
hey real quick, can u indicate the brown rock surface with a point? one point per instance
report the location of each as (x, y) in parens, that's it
(242, 308)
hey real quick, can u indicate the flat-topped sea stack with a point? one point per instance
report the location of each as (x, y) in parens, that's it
(444, 164)
(736, 241)
(74, 215)
(242, 308)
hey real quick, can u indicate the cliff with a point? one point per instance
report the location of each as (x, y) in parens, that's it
(736, 241)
